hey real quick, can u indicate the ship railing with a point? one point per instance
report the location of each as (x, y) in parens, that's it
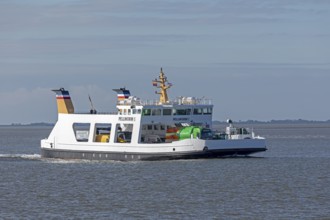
(97, 113)
(178, 101)
(175, 102)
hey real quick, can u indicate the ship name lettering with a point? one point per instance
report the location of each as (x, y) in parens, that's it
(180, 119)
(126, 119)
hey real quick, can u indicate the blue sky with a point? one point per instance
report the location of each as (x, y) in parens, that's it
(255, 59)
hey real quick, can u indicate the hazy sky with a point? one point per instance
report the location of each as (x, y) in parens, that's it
(256, 59)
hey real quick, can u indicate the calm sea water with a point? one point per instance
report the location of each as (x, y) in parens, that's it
(289, 181)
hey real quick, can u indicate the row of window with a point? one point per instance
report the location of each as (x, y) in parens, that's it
(166, 112)
(102, 132)
(129, 111)
(155, 127)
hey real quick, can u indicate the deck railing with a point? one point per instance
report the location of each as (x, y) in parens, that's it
(178, 101)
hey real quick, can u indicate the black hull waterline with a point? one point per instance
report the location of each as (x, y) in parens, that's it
(126, 156)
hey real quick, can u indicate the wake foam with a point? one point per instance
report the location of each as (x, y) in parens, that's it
(21, 156)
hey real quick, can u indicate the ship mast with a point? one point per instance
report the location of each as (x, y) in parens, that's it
(161, 83)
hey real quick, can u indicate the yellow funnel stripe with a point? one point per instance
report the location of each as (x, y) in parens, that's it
(64, 105)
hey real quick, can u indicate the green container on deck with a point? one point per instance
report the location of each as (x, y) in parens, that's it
(197, 132)
(186, 132)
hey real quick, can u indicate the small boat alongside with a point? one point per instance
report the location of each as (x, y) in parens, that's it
(145, 130)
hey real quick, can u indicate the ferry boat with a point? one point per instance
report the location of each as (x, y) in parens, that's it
(145, 130)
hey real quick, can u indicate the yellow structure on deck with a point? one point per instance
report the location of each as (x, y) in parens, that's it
(64, 103)
(161, 83)
(104, 138)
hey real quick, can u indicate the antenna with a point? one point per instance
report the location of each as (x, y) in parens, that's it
(93, 110)
(164, 85)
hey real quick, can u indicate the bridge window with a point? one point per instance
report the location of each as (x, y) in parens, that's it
(207, 111)
(136, 111)
(182, 111)
(146, 112)
(198, 111)
(167, 111)
(156, 111)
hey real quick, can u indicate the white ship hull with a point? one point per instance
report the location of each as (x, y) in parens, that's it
(185, 149)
